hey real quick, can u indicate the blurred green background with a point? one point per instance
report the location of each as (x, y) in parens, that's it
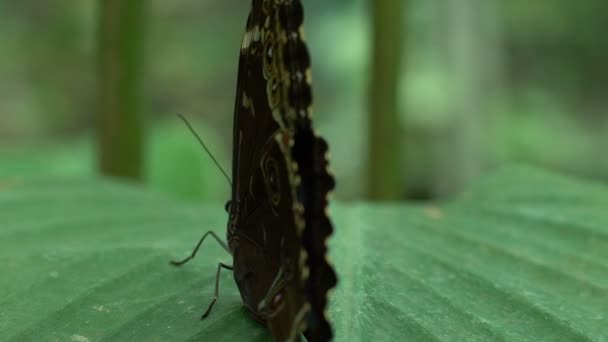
(417, 98)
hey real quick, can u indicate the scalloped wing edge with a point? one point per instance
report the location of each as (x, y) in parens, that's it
(322, 276)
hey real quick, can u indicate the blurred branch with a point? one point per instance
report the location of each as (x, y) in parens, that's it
(120, 122)
(384, 151)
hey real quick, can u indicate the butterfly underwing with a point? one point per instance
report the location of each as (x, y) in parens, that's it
(278, 224)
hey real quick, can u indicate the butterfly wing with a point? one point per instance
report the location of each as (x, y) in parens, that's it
(278, 224)
(263, 217)
(310, 152)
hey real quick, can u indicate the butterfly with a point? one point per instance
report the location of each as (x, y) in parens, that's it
(278, 223)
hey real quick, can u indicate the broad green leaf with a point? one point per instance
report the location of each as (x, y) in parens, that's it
(522, 255)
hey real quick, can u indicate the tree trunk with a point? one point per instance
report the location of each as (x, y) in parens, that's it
(120, 122)
(384, 151)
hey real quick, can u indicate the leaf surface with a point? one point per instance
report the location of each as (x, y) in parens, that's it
(522, 255)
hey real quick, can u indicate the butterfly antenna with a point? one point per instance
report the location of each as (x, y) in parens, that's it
(205, 147)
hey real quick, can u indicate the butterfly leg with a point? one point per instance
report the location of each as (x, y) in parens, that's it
(217, 287)
(198, 245)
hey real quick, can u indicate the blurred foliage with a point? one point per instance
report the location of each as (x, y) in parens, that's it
(484, 84)
(176, 164)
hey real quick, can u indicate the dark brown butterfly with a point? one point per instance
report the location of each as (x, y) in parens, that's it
(278, 225)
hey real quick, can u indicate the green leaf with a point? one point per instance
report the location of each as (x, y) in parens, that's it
(523, 255)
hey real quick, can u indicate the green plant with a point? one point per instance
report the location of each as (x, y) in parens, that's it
(520, 256)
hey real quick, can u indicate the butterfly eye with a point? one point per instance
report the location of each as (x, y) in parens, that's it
(277, 301)
(271, 173)
(269, 55)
